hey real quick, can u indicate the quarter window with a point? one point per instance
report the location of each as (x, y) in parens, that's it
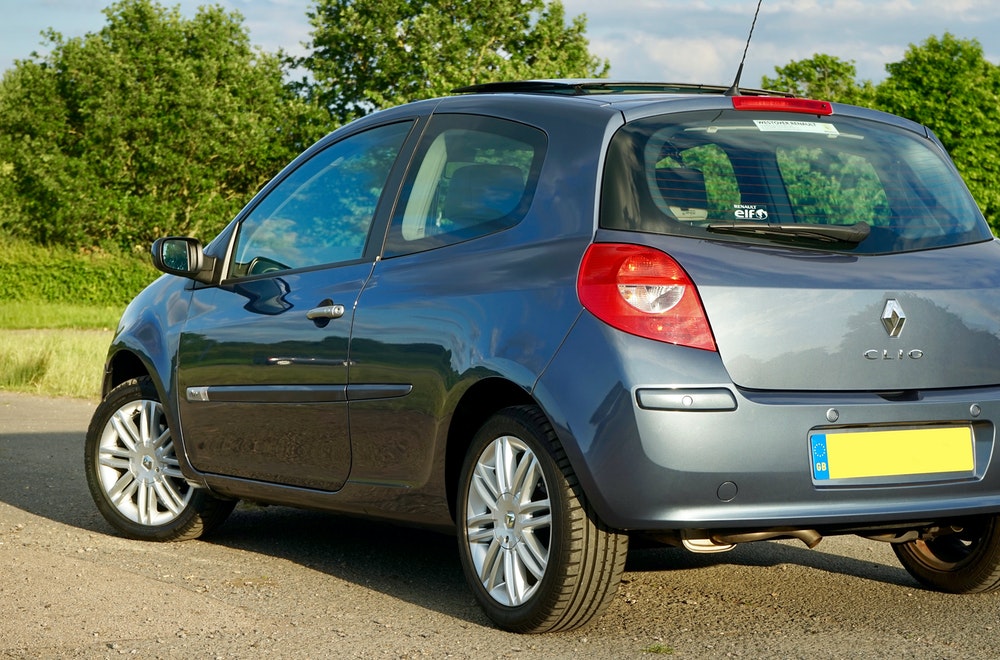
(472, 176)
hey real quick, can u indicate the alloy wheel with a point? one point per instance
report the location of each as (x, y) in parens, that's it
(137, 467)
(509, 521)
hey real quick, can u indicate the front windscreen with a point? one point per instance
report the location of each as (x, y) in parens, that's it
(836, 182)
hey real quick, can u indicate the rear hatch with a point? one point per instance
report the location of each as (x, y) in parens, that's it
(831, 250)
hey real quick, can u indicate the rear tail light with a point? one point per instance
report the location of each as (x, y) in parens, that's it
(782, 104)
(644, 292)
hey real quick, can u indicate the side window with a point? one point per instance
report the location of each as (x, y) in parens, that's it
(320, 213)
(472, 176)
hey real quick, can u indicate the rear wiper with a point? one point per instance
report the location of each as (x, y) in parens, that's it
(853, 234)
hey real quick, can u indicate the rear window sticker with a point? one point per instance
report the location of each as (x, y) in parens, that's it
(749, 212)
(792, 126)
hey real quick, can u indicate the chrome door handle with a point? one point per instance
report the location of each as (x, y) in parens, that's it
(325, 312)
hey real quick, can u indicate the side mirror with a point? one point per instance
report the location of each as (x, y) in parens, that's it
(183, 256)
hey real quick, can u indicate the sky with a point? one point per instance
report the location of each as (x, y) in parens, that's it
(656, 40)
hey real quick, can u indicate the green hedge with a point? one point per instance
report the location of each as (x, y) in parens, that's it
(29, 272)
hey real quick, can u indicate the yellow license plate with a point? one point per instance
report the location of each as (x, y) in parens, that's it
(866, 453)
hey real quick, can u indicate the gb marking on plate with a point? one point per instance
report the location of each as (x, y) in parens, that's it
(821, 466)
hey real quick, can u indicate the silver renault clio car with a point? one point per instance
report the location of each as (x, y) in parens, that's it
(553, 316)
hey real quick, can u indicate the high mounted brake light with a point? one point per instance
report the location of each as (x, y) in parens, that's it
(778, 104)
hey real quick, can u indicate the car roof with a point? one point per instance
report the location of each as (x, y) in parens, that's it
(599, 86)
(542, 102)
(641, 98)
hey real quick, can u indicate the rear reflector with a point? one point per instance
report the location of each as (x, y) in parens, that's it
(780, 104)
(644, 292)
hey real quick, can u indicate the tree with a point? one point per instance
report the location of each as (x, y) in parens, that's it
(946, 84)
(156, 124)
(949, 86)
(821, 77)
(372, 54)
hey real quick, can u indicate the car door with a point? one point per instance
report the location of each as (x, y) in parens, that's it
(441, 298)
(262, 363)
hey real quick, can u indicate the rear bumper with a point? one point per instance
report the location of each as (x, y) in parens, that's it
(650, 459)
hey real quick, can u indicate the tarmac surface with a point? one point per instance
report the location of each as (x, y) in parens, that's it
(282, 583)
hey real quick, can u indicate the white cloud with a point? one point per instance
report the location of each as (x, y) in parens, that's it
(646, 39)
(675, 40)
(274, 24)
(647, 56)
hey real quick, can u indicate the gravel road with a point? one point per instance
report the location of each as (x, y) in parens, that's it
(277, 582)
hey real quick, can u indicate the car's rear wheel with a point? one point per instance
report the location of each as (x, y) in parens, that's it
(533, 551)
(133, 472)
(966, 561)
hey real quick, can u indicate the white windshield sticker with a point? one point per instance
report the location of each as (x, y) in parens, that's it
(790, 126)
(749, 212)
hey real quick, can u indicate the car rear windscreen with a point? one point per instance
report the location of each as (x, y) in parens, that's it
(838, 183)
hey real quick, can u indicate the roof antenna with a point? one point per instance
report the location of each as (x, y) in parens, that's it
(735, 89)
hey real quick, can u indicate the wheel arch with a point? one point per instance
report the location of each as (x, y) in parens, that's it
(124, 365)
(480, 402)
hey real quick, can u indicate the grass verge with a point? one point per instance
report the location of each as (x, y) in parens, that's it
(35, 315)
(53, 362)
(58, 310)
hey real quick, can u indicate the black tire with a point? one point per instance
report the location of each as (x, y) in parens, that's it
(532, 549)
(965, 562)
(133, 472)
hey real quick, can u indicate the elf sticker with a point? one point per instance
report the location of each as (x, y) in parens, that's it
(749, 212)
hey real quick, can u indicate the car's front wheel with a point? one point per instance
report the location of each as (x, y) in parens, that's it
(533, 551)
(133, 472)
(966, 561)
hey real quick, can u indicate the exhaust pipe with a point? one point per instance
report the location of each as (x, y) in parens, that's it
(702, 541)
(808, 536)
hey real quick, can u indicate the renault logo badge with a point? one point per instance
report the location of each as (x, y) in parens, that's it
(893, 317)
